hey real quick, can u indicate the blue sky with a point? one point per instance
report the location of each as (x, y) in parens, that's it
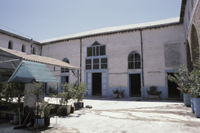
(45, 19)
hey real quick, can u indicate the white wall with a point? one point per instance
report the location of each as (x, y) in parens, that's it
(154, 56)
(189, 12)
(118, 47)
(61, 50)
(17, 44)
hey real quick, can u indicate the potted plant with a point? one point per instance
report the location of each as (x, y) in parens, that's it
(118, 93)
(37, 93)
(47, 109)
(153, 93)
(195, 88)
(185, 81)
(8, 91)
(62, 111)
(193, 94)
(65, 96)
(52, 91)
(77, 92)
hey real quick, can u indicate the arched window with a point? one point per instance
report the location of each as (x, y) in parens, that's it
(96, 50)
(134, 60)
(34, 51)
(65, 70)
(10, 45)
(96, 57)
(23, 48)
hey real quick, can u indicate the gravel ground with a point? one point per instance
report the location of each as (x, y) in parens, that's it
(126, 115)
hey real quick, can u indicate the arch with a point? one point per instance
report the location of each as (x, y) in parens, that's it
(34, 50)
(10, 45)
(189, 62)
(23, 48)
(96, 43)
(134, 61)
(64, 70)
(194, 43)
(96, 49)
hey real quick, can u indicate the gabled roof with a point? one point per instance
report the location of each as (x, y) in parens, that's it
(34, 58)
(110, 30)
(29, 72)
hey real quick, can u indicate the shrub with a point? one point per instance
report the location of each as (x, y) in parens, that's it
(62, 111)
(153, 91)
(52, 91)
(119, 93)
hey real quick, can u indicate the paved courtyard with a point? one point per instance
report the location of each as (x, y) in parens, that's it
(127, 116)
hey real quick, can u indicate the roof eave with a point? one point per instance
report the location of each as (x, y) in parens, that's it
(18, 36)
(111, 32)
(182, 12)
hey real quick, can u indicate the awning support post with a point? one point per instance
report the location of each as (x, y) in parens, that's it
(19, 107)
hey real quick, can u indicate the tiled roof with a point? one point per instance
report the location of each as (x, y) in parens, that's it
(37, 58)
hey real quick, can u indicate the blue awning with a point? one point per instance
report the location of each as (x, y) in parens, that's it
(28, 72)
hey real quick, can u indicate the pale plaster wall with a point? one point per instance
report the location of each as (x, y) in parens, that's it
(190, 14)
(118, 47)
(154, 57)
(29, 98)
(17, 44)
(61, 50)
(194, 21)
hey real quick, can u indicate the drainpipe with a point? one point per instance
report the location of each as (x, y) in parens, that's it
(142, 85)
(41, 51)
(80, 59)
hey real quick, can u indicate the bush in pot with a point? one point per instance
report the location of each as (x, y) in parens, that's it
(47, 109)
(65, 96)
(37, 93)
(118, 93)
(8, 91)
(185, 81)
(193, 94)
(52, 91)
(77, 92)
(153, 93)
(62, 111)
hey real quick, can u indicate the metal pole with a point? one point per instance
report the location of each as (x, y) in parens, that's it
(19, 106)
(56, 101)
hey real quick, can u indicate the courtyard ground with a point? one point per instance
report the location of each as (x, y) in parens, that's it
(128, 115)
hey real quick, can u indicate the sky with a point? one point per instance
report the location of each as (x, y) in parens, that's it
(45, 19)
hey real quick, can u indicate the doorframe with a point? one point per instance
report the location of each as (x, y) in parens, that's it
(97, 71)
(166, 82)
(92, 83)
(128, 81)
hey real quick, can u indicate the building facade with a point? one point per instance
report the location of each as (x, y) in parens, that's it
(131, 58)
